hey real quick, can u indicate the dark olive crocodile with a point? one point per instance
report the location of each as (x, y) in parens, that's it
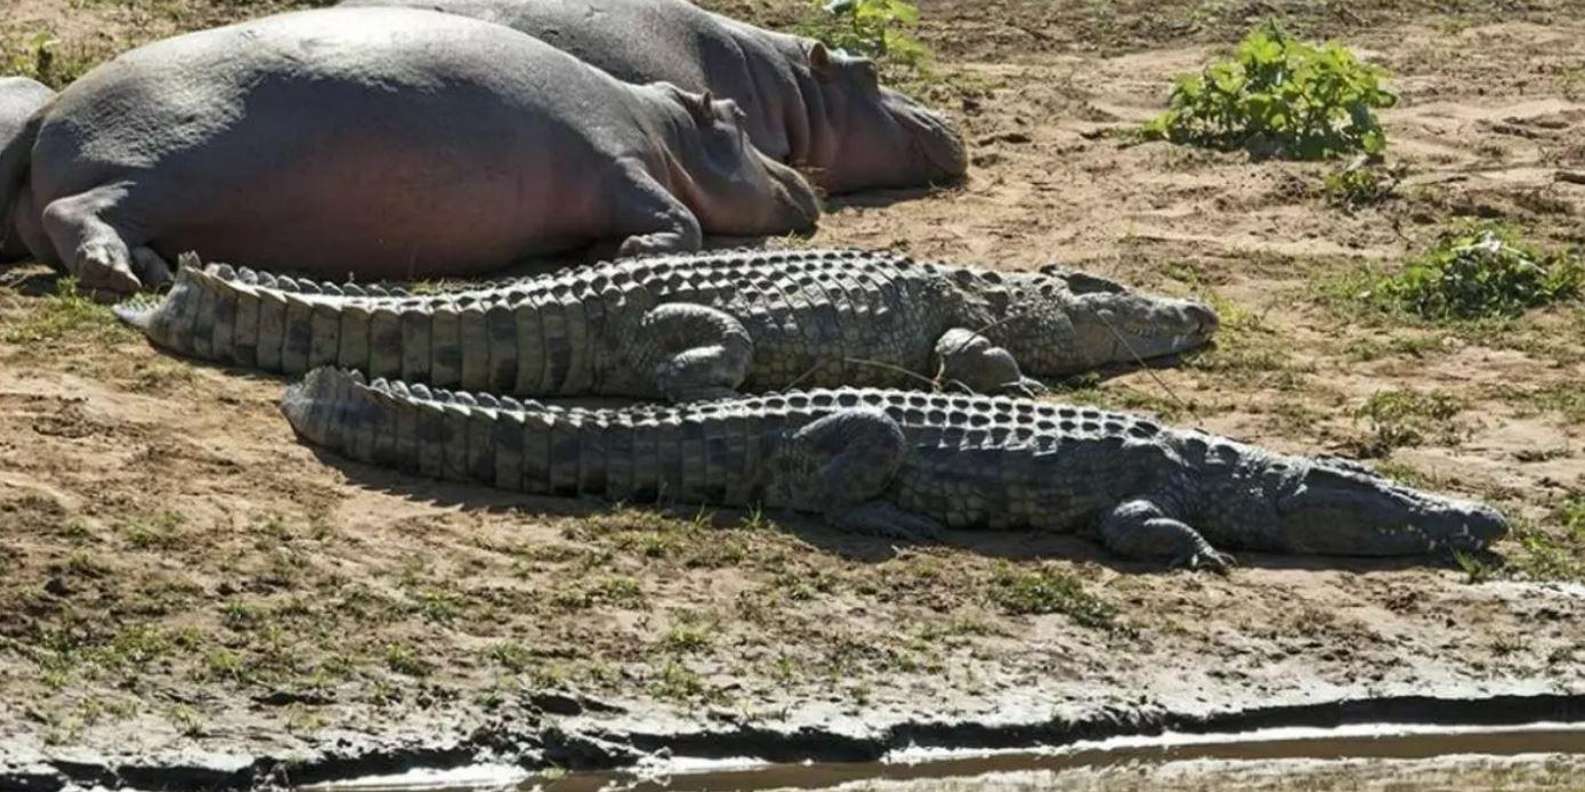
(903, 463)
(690, 326)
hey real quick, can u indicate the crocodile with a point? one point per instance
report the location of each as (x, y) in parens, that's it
(682, 327)
(901, 463)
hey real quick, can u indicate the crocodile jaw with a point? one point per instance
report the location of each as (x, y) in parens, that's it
(1333, 511)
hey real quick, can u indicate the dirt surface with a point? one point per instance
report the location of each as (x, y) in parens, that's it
(178, 574)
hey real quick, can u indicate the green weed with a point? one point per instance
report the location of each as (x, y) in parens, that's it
(1279, 96)
(1400, 418)
(876, 29)
(1481, 272)
(1043, 591)
(1358, 186)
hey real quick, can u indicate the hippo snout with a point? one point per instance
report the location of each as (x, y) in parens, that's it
(797, 204)
(935, 139)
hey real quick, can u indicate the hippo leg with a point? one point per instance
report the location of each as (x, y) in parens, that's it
(971, 359)
(92, 249)
(151, 267)
(654, 220)
(702, 352)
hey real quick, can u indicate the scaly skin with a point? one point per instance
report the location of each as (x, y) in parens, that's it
(683, 327)
(901, 463)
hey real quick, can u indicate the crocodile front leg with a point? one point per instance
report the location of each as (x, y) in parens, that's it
(702, 353)
(970, 358)
(841, 466)
(1140, 529)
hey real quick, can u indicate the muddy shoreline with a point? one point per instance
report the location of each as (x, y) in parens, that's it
(538, 740)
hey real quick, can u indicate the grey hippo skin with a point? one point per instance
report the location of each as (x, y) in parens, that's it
(822, 111)
(683, 327)
(20, 98)
(385, 143)
(903, 464)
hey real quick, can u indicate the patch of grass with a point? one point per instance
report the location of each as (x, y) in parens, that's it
(42, 56)
(691, 633)
(1567, 399)
(512, 656)
(159, 531)
(1042, 591)
(1480, 272)
(1476, 569)
(1553, 554)
(1407, 417)
(621, 592)
(405, 660)
(677, 682)
(1247, 351)
(67, 314)
(1360, 185)
(1279, 96)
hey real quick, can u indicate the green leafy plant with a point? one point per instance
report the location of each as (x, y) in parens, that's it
(1280, 96)
(876, 29)
(1482, 272)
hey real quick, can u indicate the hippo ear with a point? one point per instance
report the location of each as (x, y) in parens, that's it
(820, 62)
(702, 107)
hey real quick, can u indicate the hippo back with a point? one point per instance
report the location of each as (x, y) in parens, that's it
(20, 99)
(825, 113)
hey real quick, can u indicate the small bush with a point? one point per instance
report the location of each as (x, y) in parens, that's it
(877, 29)
(1357, 187)
(1482, 273)
(1279, 96)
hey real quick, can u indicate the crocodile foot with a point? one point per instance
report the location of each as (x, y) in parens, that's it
(880, 518)
(1206, 558)
(1027, 387)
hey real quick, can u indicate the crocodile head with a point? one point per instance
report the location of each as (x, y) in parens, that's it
(1330, 506)
(1070, 322)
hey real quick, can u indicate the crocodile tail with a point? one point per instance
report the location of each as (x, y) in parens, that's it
(16, 158)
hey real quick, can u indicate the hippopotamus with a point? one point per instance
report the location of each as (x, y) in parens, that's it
(20, 98)
(821, 111)
(383, 143)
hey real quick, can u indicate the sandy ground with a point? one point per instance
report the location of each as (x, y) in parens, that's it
(178, 573)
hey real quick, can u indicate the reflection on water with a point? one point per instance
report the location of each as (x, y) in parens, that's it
(1541, 757)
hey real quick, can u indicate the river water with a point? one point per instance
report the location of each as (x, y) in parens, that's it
(1398, 758)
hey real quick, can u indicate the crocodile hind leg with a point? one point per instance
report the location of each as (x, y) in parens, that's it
(841, 466)
(970, 358)
(1139, 529)
(701, 352)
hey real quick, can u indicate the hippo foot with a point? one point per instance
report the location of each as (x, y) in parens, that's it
(655, 244)
(151, 268)
(104, 265)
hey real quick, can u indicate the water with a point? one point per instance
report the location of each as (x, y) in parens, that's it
(1407, 758)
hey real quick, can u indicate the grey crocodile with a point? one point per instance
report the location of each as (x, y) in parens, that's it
(682, 327)
(900, 463)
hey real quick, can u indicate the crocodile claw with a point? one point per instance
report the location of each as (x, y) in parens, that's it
(1027, 388)
(1207, 558)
